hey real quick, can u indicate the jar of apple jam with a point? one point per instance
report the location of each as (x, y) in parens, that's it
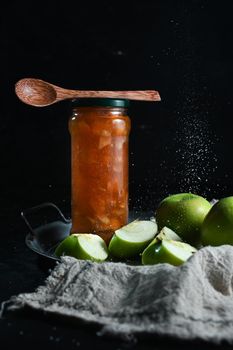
(99, 129)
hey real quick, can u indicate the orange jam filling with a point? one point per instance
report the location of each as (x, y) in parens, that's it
(99, 158)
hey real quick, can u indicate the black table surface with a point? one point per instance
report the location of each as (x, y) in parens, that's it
(182, 144)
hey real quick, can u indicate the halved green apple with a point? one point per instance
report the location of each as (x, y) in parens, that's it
(130, 240)
(85, 246)
(167, 251)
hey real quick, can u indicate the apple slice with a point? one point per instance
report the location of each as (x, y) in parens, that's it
(167, 251)
(85, 246)
(167, 233)
(130, 240)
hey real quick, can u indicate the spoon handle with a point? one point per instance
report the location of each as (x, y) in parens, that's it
(141, 95)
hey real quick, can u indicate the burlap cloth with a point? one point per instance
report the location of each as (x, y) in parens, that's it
(192, 301)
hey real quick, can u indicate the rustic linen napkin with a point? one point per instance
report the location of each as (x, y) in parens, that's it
(192, 301)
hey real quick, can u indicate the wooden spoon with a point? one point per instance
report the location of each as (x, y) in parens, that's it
(39, 93)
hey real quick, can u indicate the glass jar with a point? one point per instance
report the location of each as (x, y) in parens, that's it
(99, 131)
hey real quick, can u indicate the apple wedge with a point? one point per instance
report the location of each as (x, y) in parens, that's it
(85, 246)
(167, 251)
(167, 233)
(130, 240)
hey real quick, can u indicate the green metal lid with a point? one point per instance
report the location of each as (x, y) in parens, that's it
(100, 102)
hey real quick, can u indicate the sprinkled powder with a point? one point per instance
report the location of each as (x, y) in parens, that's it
(194, 153)
(192, 142)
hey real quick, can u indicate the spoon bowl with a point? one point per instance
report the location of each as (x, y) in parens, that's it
(35, 92)
(39, 93)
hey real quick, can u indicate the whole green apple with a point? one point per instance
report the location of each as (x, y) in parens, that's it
(184, 213)
(217, 228)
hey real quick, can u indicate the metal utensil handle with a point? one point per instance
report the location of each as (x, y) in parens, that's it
(38, 208)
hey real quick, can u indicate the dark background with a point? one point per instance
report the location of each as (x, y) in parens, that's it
(181, 48)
